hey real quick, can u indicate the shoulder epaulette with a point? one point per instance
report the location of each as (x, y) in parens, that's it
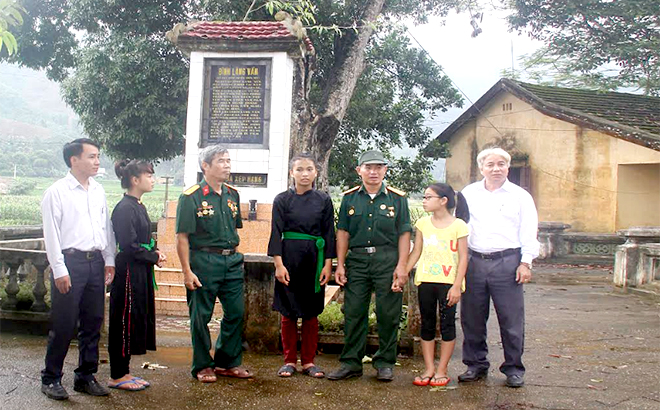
(190, 190)
(396, 191)
(355, 188)
(231, 187)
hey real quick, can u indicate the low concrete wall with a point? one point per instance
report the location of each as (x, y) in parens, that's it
(638, 259)
(558, 246)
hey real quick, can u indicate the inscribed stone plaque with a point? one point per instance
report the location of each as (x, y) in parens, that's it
(236, 103)
(251, 180)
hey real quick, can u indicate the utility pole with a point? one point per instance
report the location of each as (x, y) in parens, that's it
(167, 189)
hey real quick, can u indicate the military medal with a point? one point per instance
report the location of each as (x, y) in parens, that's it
(382, 206)
(351, 211)
(391, 213)
(233, 207)
(205, 210)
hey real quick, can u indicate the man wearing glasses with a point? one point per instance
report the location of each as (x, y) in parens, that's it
(502, 244)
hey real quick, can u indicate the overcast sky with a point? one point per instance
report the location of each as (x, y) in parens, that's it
(474, 64)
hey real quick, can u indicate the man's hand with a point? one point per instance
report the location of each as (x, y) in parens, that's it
(109, 274)
(63, 284)
(454, 295)
(523, 274)
(399, 279)
(325, 275)
(191, 281)
(282, 274)
(340, 275)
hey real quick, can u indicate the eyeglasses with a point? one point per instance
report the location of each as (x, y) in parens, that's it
(428, 197)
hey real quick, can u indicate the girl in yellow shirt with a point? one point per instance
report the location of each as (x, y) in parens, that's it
(441, 249)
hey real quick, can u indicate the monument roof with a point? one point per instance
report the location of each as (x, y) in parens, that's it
(242, 36)
(248, 30)
(631, 117)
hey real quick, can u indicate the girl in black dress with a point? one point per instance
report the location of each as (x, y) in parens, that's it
(302, 243)
(132, 323)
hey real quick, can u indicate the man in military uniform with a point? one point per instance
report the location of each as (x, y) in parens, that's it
(208, 215)
(373, 241)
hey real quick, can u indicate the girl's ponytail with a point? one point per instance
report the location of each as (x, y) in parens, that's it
(462, 210)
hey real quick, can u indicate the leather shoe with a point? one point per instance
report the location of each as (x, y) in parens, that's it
(471, 375)
(385, 374)
(515, 380)
(344, 373)
(91, 387)
(54, 391)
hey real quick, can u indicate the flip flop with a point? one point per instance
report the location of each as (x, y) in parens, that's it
(119, 385)
(444, 380)
(314, 371)
(287, 368)
(206, 376)
(236, 372)
(141, 381)
(422, 381)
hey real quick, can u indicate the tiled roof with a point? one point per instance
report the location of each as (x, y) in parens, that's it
(240, 30)
(632, 117)
(634, 110)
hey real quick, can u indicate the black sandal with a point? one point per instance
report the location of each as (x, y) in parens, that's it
(287, 368)
(314, 371)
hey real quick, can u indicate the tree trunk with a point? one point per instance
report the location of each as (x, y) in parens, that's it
(316, 132)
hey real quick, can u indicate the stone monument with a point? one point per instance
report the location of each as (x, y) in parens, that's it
(240, 96)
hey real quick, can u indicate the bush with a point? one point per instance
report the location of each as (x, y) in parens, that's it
(21, 187)
(332, 319)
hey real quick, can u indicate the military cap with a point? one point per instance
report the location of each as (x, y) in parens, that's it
(372, 157)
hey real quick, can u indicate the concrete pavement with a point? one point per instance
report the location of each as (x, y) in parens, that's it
(588, 346)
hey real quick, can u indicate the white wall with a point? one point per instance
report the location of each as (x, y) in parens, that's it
(272, 161)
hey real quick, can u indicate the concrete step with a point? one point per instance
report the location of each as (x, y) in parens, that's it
(173, 306)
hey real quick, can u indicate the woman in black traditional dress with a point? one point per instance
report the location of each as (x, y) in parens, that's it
(302, 243)
(132, 317)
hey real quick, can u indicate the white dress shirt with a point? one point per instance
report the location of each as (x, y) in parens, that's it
(502, 219)
(78, 218)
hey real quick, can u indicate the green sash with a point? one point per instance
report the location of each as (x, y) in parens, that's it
(320, 244)
(150, 247)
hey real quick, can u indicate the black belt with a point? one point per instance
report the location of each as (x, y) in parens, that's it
(495, 255)
(218, 250)
(370, 249)
(89, 255)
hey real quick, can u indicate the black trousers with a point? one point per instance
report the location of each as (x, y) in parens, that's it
(430, 296)
(83, 305)
(495, 279)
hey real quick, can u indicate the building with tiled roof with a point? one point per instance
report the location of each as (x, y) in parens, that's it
(590, 159)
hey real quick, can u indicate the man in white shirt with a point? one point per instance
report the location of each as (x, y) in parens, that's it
(80, 244)
(502, 244)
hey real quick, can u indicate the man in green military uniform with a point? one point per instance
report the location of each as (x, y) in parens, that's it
(373, 243)
(207, 218)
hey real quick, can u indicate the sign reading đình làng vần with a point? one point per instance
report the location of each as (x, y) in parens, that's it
(236, 102)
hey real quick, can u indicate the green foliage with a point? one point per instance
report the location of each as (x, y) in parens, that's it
(21, 187)
(131, 93)
(26, 209)
(130, 87)
(10, 16)
(331, 320)
(598, 44)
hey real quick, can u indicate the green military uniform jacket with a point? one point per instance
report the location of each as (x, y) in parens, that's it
(374, 222)
(210, 218)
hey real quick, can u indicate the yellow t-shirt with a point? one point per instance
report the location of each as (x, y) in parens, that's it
(439, 259)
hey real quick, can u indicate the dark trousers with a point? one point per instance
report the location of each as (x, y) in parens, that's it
(83, 305)
(310, 338)
(496, 279)
(221, 277)
(430, 295)
(367, 274)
